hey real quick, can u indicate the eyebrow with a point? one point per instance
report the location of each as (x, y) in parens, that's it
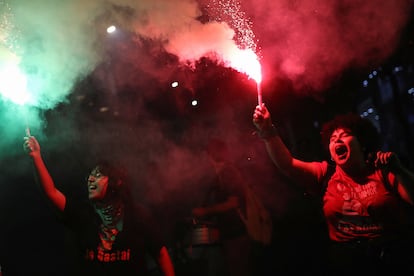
(345, 131)
(95, 172)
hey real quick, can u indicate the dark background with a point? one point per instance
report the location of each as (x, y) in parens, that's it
(161, 138)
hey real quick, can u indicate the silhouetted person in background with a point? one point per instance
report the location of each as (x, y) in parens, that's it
(228, 208)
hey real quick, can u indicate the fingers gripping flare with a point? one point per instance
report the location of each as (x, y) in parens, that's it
(387, 160)
(31, 145)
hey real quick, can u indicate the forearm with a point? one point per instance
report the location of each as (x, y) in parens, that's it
(406, 180)
(231, 203)
(291, 167)
(47, 183)
(278, 152)
(165, 262)
(276, 148)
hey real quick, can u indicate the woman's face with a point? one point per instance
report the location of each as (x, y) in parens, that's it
(345, 148)
(97, 184)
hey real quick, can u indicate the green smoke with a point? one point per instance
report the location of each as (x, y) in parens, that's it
(45, 48)
(54, 48)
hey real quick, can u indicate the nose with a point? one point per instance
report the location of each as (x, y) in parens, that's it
(336, 139)
(91, 178)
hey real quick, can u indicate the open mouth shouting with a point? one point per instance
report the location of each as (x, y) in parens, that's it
(341, 152)
(97, 185)
(92, 187)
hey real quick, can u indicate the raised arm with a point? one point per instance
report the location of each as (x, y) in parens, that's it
(404, 177)
(231, 203)
(277, 150)
(165, 262)
(33, 148)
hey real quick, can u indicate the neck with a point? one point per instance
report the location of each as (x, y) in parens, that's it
(102, 204)
(356, 170)
(110, 213)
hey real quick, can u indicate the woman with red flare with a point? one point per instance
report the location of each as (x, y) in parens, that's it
(365, 193)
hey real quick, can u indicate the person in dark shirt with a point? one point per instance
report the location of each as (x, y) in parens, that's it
(112, 235)
(226, 201)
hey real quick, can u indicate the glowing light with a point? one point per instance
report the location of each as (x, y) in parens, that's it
(247, 62)
(194, 102)
(398, 69)
(111, 29)
(259, 94)
(174, 84)
(13, 85)
(244, 59)
(231, 12)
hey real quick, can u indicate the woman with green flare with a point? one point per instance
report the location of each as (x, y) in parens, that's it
(113, 234)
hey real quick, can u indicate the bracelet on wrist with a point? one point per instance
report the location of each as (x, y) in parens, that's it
(268, 132)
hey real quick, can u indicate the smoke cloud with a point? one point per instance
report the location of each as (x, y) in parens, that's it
(311, 42)
(307, 42)
(66, 54)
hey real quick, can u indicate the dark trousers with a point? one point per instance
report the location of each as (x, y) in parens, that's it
(237, 255)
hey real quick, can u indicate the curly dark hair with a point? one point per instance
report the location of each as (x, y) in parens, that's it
(363, 129)
(118, 182)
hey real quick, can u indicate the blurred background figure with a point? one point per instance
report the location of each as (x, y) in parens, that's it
(226, 207)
